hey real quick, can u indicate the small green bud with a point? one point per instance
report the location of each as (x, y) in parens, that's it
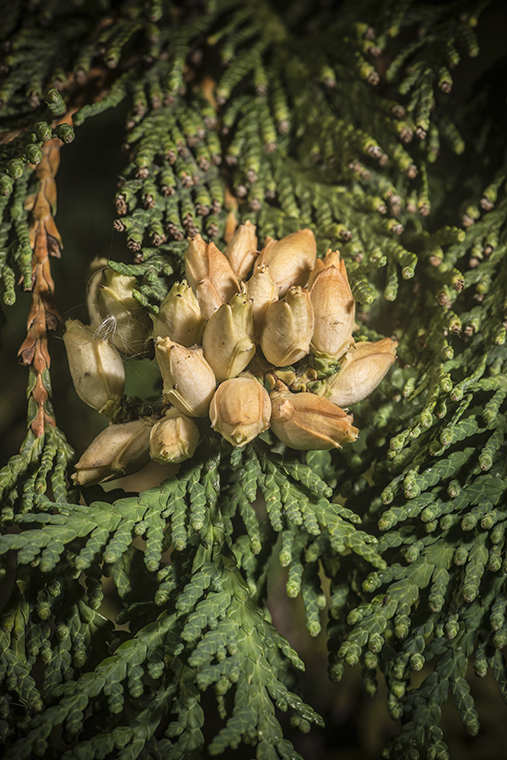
(33, 154)
(6, 185)
(398, 688)
(42, 131)
(55, 102)
(15, 167)
(65, 133)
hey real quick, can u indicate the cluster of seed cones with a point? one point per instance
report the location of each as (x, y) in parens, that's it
(241, 341)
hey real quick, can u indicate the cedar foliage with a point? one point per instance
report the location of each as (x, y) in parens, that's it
(336, 116)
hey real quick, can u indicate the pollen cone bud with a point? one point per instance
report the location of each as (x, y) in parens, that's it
(174, 438)
(126, 321)
(288, 328)
(240, 409)
(205, 264)
(290, 259)
(116, 451)
(228, 338)
(309, 422)
(334, 308)
(179, 316)
(261, 290)
(189, 382)
(96, 367)
(242, 250)
(363, 367)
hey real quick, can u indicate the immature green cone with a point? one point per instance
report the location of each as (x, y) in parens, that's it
(290, 259)
(228, 338)
(261, 290)
(125, 320)
(179, 316)
(116, 451)
(242, 250)
(240, 409)
(96, 367)
(362, 369)
(174, 438)
(288, 328)
(210, 275)
(305, 421)
(333, 306)
(189, 382)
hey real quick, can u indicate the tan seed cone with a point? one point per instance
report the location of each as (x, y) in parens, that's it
(179, 316)
(240, 409)
(317, 269)
(174, 438)
(206, 264)
(189, 382)
(116, 451)
(262, 290)
(208, 298)
(305, 421)
(363, 368)
(228, 338)
(290, 259)
(124, 320)
(288, 328)
(242, 250)
(96, 367)
(196, 261)
(334, 308)
(96, 269)
(221, 273)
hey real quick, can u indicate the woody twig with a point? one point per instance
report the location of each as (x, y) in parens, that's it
(45, 241)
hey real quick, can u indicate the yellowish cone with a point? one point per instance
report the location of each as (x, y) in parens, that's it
(240, 409)
(228, 338)
(206, 266)
(179, 316)
(333, 306)
(288, 328)
(262, 290)
(242, 250)
(290, 259)
(305, 421)
(124, 320)
(174, 438)
(363, 368)
(116, 451)
(95, 365)
(189, 381)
